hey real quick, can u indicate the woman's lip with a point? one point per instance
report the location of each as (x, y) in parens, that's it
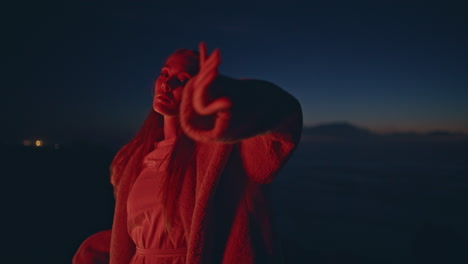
(163, 98)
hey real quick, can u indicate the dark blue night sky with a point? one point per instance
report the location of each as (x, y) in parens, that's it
(85, 70)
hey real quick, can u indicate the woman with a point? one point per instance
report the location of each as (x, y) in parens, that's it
(192, 186)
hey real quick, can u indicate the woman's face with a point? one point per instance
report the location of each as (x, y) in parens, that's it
(179, 68)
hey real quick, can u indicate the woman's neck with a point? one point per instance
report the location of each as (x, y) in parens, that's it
(171, 124)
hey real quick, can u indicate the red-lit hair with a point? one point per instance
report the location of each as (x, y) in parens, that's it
(128, 160)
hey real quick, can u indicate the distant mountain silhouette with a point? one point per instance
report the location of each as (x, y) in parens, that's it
(335, 131)
(345, 131)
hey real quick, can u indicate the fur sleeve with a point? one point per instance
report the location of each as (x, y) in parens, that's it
(264, 120)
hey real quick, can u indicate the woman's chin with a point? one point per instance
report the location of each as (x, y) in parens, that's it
(165, 110)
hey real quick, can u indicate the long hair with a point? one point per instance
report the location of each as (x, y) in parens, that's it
(128, 161)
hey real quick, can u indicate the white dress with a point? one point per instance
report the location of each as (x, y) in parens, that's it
(144, 214)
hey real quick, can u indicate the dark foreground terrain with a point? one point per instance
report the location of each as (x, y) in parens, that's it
(378, 201)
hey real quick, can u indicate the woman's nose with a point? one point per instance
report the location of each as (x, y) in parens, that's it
(166, 86)
(170, 84)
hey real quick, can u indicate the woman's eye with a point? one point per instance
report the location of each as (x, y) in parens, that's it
(164, 74)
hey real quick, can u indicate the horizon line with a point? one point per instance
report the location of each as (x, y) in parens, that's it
(382, 130)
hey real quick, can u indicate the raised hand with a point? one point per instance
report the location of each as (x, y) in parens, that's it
(202, 104)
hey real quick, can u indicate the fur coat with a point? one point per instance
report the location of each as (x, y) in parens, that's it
(224, 200)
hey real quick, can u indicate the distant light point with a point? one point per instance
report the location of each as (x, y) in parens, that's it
(38, 143)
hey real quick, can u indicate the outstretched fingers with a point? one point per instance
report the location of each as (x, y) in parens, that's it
(209, 69)
(202, 51)
(205, 77)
